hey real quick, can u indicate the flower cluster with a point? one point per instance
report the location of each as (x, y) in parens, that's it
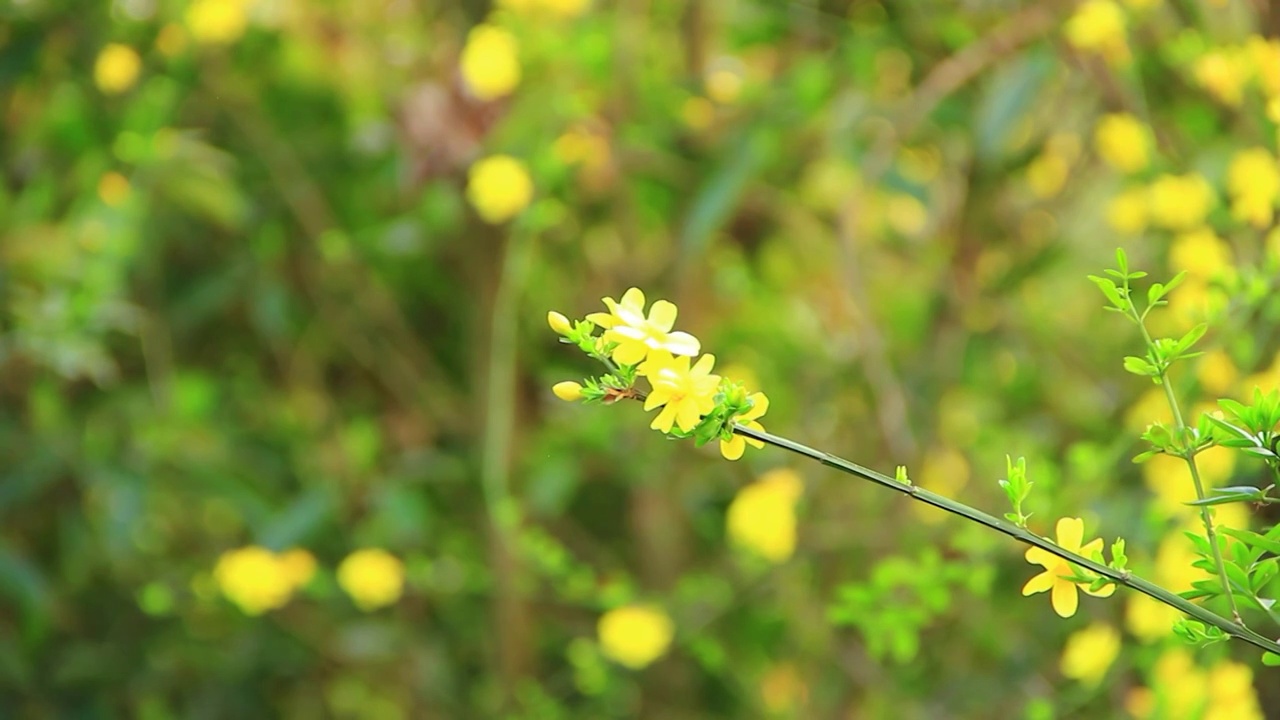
(258, 580)
(691, 400)
(1060, 576)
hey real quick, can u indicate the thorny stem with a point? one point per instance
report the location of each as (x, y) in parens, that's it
(1121, 577)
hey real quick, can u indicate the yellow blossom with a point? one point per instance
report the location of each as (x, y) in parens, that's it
(637, 335)
(1127, 212)
(1253, 181)
(373, 578)
(733, 449)
(499, 188)
(1231, 693)
(1150, 407)
(559, 323)
(1223, 73)
(254, 578)
(568, 390)
(113, 189)
(1098, 26)
(490, 63)
(1122, 141)
(1148, 619)
(943, 470)
(1200, 253)
(171, 40)
(116, 69)
(1047, 174)
(299, 566)
(1090, 652)
(698, 113)
(762, 516)
(217, 22)
(783, 689)
(1217, 373)
(1070, 533)
(724, 86)
(1264, 55)
(635, 635)
(685, 394)
(1180, 202)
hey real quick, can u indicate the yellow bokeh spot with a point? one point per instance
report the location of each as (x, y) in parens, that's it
(1127, 212)
(254, 578)
(113, 189)
(635, 635)
(1180, 202)
(1217, 373)
(1122, 142)
(1148, 619)
(1151, 407)
(1253, 181)
(217, 22)
(1090, 652)
(299, 566)
(1223, 73)
(1201, 254)
(724, 86)
(490, 63)
(698, 113)
(499, 188)
(783, 689)
(172, 40)
(1047, 175)
(117, 68)
(906, 214)
(374, 578)
(1098, 26)
(762, 516)
(944, 471)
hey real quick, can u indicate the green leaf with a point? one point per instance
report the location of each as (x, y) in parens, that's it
(1271, 659)
(1139, 366)
(1253, 539)
(1122, 260)
(1191, 338)
(1112, 292)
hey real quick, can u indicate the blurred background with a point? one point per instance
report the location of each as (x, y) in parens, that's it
(276, 430)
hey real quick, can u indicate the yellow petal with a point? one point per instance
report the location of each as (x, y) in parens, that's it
(604, 320)
(682, 343)
(1065, 599)
(629, 352)
(1107, 591)
(1038, 584)
(633, 299)
(665, 419)
(656, 398)
(1042, 557)
(734, 448)
(1070, 533)
(704, 365)
(688, 417)
(1094, 545)
(759, 406)
(662, 315)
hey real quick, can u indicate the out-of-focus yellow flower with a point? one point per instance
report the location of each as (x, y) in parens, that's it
(1142, 4)
(906, 214)
(1253, 180)
(1195, 301)
(762, 516)
(499, 188)
(1150, 407)
(1122, 141)
(299, 566)
(943, 470)
(1200, 253)
(1180, 202)
(217, 22)
(1064, 597)
(1223, 73)
(733, 449)
(685, 394)
(724, 85)
(1231, 693)
(1147, 619)
(171, 40)
(254, 578)
(635, 635)
(698, 113)
(581, 146)
(783, 689)
(113, 189)
(1098, 26)
(1047, 174)
(556, 8)
(490, 63)
(1181, 691)
(1217, 373)
(569, 391)
(1089, 653)
(117, 68)
(1127, 212)
(637, 335)
(1169, 478)
(373, 578)
(1264, 55)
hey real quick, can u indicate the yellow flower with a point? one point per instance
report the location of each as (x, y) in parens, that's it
(733, 448)
(1265, 57)
(568, 390)
(1148, 619)
(698, 113)
(1121, 140)
(299, 566)
(559, 323)
(1217, 373)
(724, 86)
(685, 394)
(1127, 212)
(762, 516)
(635, 635)
(499, 188)
(1098, 26)
(1180, 202)
(254, 578)
(373, 578)
(1047, 174)
(783, 689)
(171, 40)
(636, 335)
(490, 63)
(113, 189)
(1200, 253)
(1090, 652)
(217, 22)
(566, 8)
(116, 69)
(1231, 693)
(1223, 73)
(1253, 181)
(1070, 532)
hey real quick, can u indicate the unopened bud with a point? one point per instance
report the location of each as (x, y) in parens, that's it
(559, 323)
(567, 390)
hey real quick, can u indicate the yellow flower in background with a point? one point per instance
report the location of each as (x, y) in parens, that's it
(1148, 619)
(637, 335)
(1181, 691)
(1217, 373)
(783, 689)
(762, 516)
(1264, 55)
(499, 188)
(254, 578)
(490, 63)
(1047, 174)
(113, 189)
(635, 635)
(1064, 597)
(685, 394)
(1253, 181)
(724, 85)
(1090, 652)
(1231, 693)
(1200, 253)
(116, 68)
(1098, 26)
(1180, 202)
(217, 22)
(1169, 479)
(1150, 407)
(943, 470)
(1127, 212)
(1122, 142)
(733, 449)
(906, 214)
(1223, 73)
(299, 566)
(558, 8)
(1195, 301)
(373, 578)
(698, 113)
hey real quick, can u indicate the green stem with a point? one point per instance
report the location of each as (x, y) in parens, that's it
(1121, 577)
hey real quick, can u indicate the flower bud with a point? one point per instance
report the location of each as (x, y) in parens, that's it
(559, 323)
(567, 390)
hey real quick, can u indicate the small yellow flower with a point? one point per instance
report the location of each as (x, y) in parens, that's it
(1180, 202)
(637, 335)
(733, 448)
(635, 635)
(490, 63)
(1122, 141)
(1127, 212)
(1200, 253)
(724, 86)
(559, 323)
(1070, 533)
(1217, 373)
(1098, 26)
(1223, 73)
(117, 68)
(254, 578)
(499, 188)
(373, 578)
(685, 394)
(1231, 693)
(1090, 652)
(1253, 180)
(762, 516)
(569, 391)
(217, 22)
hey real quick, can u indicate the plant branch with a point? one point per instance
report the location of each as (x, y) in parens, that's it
(1125, 578)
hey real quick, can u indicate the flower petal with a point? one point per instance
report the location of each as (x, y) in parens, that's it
(1065, 599)
(682, 343)
(1070, 533)
(604, 320)
(629, 352)
(1090, 547)
(657, 397)
(1107, 591)
(689, 416)
(759, 406)
(633, 299)
(1041, 557)
(665, 419)
(734, 448)
(663, 315)
(1038, 584)
(704, 365)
